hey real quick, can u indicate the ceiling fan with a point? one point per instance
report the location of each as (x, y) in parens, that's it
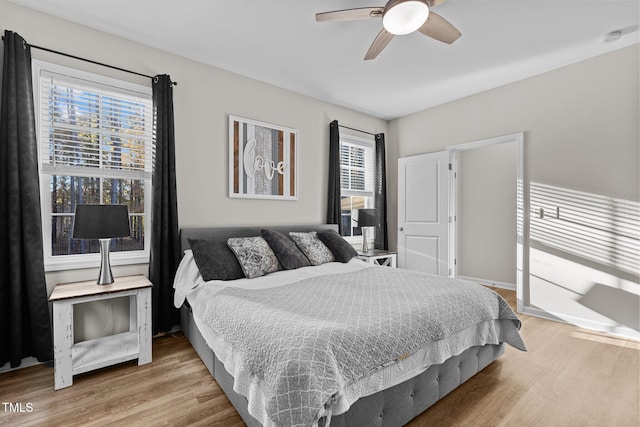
(399, 17)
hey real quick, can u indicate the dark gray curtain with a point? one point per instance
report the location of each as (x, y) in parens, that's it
(382, 240)
(165, 244)
(334, 215)
(25, 325)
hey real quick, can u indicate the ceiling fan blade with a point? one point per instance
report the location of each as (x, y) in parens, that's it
(440, 29)
(381, 41)
(435, 2)
(350, 14)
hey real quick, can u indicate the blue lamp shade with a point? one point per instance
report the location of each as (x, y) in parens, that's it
(102, 222)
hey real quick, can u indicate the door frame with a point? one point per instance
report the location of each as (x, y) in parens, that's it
(522, 207)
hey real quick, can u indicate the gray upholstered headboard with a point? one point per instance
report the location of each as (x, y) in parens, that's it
(224, 233)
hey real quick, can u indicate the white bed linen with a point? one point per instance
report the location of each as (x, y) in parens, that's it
(188, 278)
(189, 284)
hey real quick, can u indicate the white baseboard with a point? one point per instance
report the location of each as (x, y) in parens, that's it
(486, 282)
(26, 362)
(617, 331)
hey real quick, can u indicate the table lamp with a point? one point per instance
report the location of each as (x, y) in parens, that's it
(102, 222)
(366, 219)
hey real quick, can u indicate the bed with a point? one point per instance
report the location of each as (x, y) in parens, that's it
(338, 376)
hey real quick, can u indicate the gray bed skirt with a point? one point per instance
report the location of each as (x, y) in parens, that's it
(395, 406)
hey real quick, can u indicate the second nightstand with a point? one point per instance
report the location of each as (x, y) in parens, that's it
(379, 257)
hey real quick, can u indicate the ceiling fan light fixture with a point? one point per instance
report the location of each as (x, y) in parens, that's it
(404, 16)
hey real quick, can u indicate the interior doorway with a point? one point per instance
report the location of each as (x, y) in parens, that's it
(480, 249)
(429, 213)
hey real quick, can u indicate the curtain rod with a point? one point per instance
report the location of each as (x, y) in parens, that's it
(95, 62)
(357, 130)
(92, 61)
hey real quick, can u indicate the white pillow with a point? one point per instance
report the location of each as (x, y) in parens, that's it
(187, 278)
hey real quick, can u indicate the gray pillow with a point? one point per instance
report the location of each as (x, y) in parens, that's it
(341, 249)
(316, 251)
(286, 251)
(254, 255)
(215, 260)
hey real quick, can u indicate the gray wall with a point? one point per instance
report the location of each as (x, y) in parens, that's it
(486, 220)
(580, 126)
(203, 99)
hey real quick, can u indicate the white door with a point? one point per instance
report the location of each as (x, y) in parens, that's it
(423, 213)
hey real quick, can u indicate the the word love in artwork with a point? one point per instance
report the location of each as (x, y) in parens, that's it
(253, 163)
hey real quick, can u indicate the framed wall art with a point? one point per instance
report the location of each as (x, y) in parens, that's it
(262, 160)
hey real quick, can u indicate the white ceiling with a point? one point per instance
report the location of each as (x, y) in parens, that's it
(279, 42)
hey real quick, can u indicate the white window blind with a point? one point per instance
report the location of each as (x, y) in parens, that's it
(356, 168)
(88, 125)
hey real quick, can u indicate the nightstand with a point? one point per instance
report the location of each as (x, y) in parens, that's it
(379, 257)
(71, 359)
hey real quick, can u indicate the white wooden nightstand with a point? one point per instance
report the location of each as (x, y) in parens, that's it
(379, 257)
(72, 359)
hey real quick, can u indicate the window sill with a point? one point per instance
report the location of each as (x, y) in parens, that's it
(355, 241)
(76, 262)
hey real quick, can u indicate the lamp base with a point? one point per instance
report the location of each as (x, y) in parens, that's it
(105, 277)
(365, 240)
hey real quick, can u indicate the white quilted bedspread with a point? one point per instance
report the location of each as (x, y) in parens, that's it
(305, 341)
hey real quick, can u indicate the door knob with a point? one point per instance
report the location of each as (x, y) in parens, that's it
(401, 228)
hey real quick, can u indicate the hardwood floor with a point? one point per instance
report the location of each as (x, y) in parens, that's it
(569, 377)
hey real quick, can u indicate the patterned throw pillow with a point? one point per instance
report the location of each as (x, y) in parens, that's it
(316, 251)
(288, 254)
(215, 260)
(341, 249)
(254, 255)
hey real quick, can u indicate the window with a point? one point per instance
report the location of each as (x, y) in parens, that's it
(95, 136)
(357, 164)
